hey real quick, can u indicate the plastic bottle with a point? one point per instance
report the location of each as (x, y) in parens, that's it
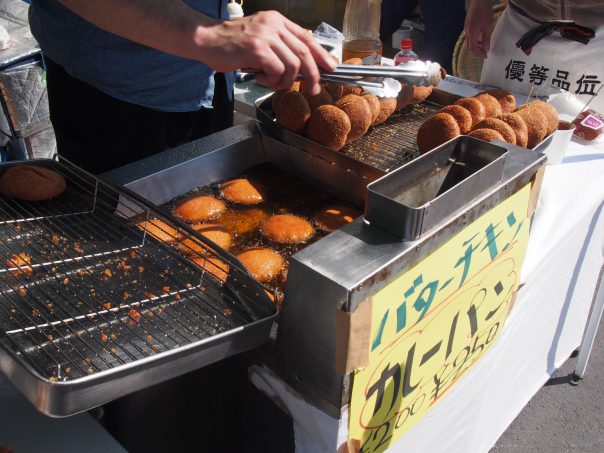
(406, 53)
(362, 31)
(234, 10)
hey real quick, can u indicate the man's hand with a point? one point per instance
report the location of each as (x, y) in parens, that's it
(479, 27)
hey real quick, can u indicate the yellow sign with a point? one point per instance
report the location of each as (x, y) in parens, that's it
(436, 320)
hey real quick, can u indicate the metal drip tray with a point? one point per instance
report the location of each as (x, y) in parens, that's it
(93, 307)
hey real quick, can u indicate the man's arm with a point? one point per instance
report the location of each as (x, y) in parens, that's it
(479, 27)
(266, 41)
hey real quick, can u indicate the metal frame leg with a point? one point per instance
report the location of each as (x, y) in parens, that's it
(591, 331)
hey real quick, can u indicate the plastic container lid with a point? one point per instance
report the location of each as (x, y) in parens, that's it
(406, 43)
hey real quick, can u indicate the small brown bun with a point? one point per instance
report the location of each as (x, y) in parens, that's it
(329, 126)
(318, 100)
(31, 183)
(503, 128)
(293, 111)
(435, 131)
(536, 125)
(475, 107)
(278, 95)
(354, 60)
(550, 113)
(403, 98)
(486, 134)
(506, 100)
(420, 94)
(241, 191)
(200, 209)
(331, 218)
(159, 229)
(335, 90)
(374, 105)
(517, 123)
(263, 264)
(387, 107)
(461, 115)
(242, 222)
(215, 233)
(491, 105)
(214, 266)
(350, 89)
(359, 113)
(288, 229)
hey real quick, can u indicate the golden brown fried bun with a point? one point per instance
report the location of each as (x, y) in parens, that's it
(550, 113)
(288, 229)
(403, 98)
(335, 90)
(506, 100)
(359, 113)
(491, 105)
(318, 100)
(475, 107)
(31, 183)
(329, 126)
(279, 94)
(486, 134)
(461, 115)
(331, 218)
(354, 60)
(350, 89)
(420, 94)
(536, 125)
(215, 233)
(435, 131)
(159, 229)
(264, 264)
(374, 104)
(387, 107)
(242, 222)
(200, 209)
(214, 266)
(517, 123)
(293, 111)
(241, 191)
(503, 128)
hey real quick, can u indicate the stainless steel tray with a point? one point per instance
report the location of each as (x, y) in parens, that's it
(102, 308)
(421, 194)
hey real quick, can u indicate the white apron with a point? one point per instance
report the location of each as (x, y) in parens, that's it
(554, 64)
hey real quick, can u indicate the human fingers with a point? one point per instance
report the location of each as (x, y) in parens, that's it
(307, 65)
(321, 56)
(288, 52)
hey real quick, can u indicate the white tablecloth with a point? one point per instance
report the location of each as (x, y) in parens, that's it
(564, 257)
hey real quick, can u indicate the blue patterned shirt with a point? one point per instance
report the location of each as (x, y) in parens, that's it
(121, 68)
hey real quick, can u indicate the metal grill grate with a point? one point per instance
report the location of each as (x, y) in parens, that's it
(84, 290)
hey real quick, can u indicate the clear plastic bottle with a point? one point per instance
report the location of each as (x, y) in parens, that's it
(406, 53)
(362, 31)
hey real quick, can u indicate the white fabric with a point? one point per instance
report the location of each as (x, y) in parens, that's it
(553, 53)
(564, 256)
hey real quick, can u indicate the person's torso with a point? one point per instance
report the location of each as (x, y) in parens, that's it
(589, 13)
(121, 68)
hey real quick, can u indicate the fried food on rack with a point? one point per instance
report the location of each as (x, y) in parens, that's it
(22, 263)
(218, 268)
(506, 100)
(358, 112)
(461, 115)
(374, 104)
(503, 128)
(403, 98)
(335, 90)
(486, 134)
(491, 105)
(241, 191)
(317, 100)
(276, 98)
(159, 229)
(387, 107)
(550, 113)
(536, 124)
(333, 217)
(199, 209)
(293, 111)
(214, 232)
(288, 229)
(517, 123)
(264, 264)
(435, 131)
(31, 183)
(354, 61)
(420, 94)
(475, 107)
(329, 126)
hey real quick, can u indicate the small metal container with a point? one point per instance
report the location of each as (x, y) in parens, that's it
(423, 193)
